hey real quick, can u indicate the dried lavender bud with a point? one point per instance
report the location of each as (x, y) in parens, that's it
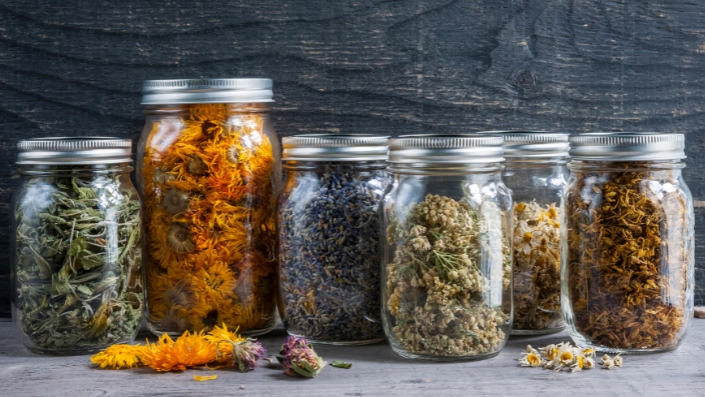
(448, 300)
(329, 254)
(537, 267)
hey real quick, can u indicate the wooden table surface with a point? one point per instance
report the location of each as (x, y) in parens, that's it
(376, 371)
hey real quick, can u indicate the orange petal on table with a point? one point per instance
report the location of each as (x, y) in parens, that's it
(204, 378)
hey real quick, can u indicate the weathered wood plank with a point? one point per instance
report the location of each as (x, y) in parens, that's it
(376, 371)
(374, 66)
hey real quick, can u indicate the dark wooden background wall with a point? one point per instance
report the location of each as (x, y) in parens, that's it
(373, 66)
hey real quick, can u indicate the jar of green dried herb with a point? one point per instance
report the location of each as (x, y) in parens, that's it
(536, 173)
(329, 237)
(628, 254)
(446, 256)
(76, 245)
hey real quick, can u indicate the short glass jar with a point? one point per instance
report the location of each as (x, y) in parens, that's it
(329, 225)
(76, 245)
(209, 170)
(628, 252)
(446, 263)
(536, 173)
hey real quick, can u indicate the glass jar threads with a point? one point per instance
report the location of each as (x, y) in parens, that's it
(329, 237)
(76, 245)
(536, 173)
(208, 167)
(446, 263)
(628, 251)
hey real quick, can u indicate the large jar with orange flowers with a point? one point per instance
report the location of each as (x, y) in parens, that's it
(209, 169)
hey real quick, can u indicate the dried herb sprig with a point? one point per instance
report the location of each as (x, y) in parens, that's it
(442, 292)
(536, 274)
(628, 257)
(329, 254)
(79, 261)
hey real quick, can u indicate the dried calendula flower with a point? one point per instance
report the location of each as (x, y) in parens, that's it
(627, 270)
(118, 357)
(189, 350)
(536, 274)
(444, 288)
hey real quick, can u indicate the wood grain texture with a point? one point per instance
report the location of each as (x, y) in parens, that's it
(376, 371)
(385, 66)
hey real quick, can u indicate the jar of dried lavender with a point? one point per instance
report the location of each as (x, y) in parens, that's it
(446, 258)
(628, 254)
(536, 172)
(76, 245)
(329, 274)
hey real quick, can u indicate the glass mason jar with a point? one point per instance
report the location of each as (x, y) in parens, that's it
(628, 252)
(446, 261)
(208, 168)
(329, 274)
(76, 245)
(536, 173)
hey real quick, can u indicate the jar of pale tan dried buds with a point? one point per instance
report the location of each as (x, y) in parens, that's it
(447, 259)
(536, 172)
(629, 249)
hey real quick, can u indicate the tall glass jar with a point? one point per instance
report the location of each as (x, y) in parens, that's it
(76, 245)
(329, 227)
(627, 282)
(536, 173)
(208, 167)
(446, 261)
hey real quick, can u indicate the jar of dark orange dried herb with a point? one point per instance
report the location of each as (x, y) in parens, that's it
(627, 224)
(209, 170)
(535, 170)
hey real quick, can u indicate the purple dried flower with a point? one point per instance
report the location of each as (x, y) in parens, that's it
(246, 354)
(299, 358)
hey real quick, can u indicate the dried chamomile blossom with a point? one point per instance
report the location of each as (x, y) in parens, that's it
(612, 363)
(536, 275)
(561, 356)
(299, 358)
(450, 262)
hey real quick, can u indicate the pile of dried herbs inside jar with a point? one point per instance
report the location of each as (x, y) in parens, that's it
(79, 260)
(329, 254)
(536, 274)
(446, 286)
(627, 257)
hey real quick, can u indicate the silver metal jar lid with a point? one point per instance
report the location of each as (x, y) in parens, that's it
(74, 150)
(446, 149)
(189, 91)
(627, 146)
(334, 147)
(533, 144)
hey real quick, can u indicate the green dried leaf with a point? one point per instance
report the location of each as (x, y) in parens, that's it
(77, 261)
(341, 364)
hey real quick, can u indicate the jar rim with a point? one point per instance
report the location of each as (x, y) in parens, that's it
(74, 150)
(206, 90)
